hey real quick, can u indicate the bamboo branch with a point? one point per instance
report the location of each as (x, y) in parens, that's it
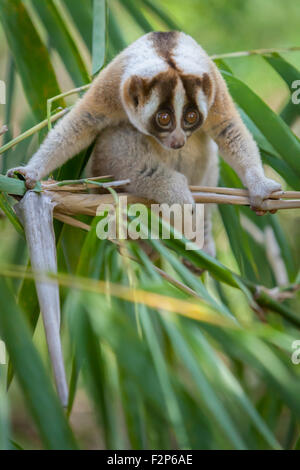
(36, 214)
(66, 219)
(232, 55)
(76, 199)
(78, 203)
(243, 192)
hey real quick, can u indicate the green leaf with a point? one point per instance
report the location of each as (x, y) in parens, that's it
(62, 40)
(170, 398)
(272, 126)
(35, 384)
(289, 74)
(161, 14)
(10, 214)
(10, 90)
(99, 35)
(30, 56)
(138, 16)
(208, 396)
(115, 36)
(83, 18)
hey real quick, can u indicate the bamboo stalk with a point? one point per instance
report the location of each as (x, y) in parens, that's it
(36, 213)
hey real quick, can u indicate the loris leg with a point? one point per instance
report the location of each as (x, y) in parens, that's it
(237, 145)
(99, 108)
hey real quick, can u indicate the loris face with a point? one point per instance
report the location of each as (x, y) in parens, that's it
(170, 106)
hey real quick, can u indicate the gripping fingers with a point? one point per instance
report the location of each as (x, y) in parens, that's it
(261, 191)
(30, 176)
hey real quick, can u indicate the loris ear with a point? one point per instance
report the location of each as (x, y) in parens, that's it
(134, 91)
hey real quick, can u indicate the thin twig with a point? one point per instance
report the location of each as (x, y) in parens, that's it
(244, 192)
(60, 96)
(31, 131)
(267, 205)
(71, 221)
(232, 55)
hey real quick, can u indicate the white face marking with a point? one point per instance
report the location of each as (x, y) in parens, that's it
(190, 57)
(143, 60)
(178, 103)
(201, 100)
(151, 106)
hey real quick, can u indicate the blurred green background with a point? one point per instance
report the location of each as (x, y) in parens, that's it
(143, 378)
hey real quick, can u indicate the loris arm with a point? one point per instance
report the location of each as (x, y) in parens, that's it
(99, 107)
(236, 144)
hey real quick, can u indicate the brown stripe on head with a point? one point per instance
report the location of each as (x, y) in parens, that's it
(192, 84)
(137, 90)
(164, 43)
(165, 84)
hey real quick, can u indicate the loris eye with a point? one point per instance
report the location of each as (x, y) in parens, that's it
(163, 118)
(191, 118)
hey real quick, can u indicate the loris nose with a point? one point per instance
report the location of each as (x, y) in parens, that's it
(177, 145)
(177, 141)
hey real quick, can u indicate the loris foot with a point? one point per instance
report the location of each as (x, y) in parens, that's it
(30, 176)
(260, 190)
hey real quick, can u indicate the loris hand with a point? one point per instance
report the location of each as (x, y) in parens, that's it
(30, 176)
(259, 190)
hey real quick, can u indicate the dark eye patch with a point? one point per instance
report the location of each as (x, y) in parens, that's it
(154, 128)
(190, 126)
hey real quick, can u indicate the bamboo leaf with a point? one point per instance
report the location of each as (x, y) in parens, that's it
(62, 41)
(137, 14)
(272, 126)
(161, 14)
(99, 35)
(31, 375)
(289, 74)
(83, 18)
(30, 56)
